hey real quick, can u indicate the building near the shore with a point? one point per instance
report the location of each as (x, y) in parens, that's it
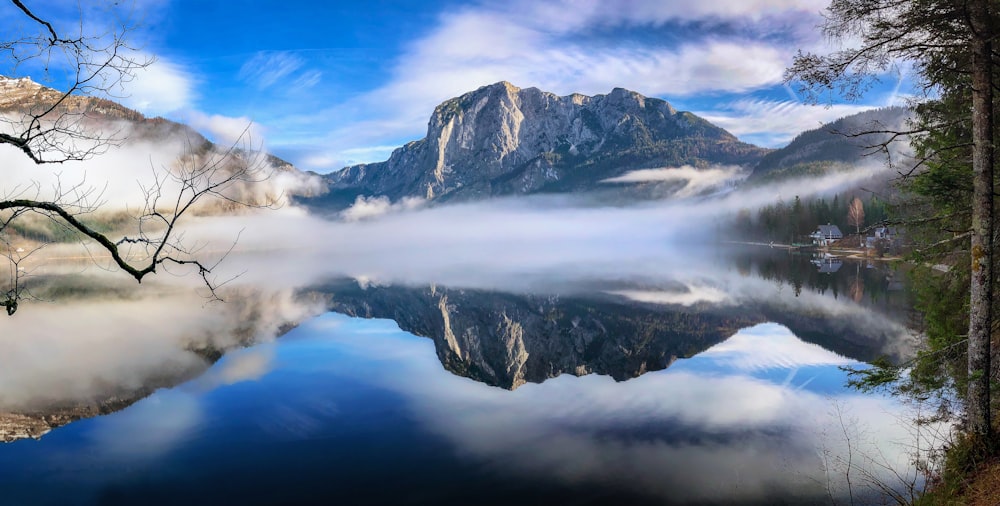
(826, 235)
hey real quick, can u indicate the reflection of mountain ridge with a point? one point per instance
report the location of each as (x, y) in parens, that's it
(498, 338)
(506, 340)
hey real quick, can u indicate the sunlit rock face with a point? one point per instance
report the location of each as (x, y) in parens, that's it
(501, 140)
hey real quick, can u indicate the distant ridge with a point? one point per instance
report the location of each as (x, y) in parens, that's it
(839, 144)
(23, 95)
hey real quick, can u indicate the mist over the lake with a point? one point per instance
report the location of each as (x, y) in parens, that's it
(664, 252)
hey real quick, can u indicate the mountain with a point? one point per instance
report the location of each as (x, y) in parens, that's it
(503, 140)
(94, 120)
(833, 146)
(23, 95)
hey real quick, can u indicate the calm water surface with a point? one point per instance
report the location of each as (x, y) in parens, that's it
(728, 390)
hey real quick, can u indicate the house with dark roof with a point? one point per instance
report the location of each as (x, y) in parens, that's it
(826, 234)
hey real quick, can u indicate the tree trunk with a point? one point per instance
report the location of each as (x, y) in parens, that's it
(981, 292)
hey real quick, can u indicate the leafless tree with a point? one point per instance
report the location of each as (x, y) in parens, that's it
(856, 217)
(59, 126)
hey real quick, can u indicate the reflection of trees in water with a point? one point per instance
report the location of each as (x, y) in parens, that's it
(857, 289)
(871, 284)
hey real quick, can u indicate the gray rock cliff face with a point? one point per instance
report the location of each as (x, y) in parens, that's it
(501, 140)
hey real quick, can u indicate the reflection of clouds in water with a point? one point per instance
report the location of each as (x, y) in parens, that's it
(686, 433)
(148, 429)
(156, 425)
(238, 366)
(705, 436)
(783, 351)
(693, 295)
(85, 350)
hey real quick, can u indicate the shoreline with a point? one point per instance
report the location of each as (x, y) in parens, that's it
(855, 254)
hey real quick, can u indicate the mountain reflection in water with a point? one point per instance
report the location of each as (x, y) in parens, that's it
(719, 406)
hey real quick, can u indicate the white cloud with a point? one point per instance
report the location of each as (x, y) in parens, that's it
(695, 181)
(371, 207)
(742, 352)
(159, 88)
(693, 295)
(238, 366)
(567, 15)
(153, 426)
(227, 130)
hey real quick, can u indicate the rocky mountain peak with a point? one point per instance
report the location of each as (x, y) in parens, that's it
(17, 82)
(502, 139)
(22, 90)
(27, 96)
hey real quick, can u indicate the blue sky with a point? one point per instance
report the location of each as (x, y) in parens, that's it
(328, 84)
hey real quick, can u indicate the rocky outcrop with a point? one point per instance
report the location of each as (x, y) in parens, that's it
(35, 424)
(22, 95)
(501, 140)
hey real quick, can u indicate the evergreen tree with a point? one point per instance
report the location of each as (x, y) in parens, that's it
(949, 43)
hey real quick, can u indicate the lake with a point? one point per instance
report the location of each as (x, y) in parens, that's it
(711, 378)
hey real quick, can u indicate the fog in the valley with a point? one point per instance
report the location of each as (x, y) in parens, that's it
(115, 178)
(106, 333)
(692, 180)
(522, 244)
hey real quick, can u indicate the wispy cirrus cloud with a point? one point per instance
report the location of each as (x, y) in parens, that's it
(269, 68)
(774, 123)
(567, 15)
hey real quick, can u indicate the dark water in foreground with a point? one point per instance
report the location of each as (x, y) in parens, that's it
(679, 401)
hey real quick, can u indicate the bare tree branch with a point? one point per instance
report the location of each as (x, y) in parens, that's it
(51, 127)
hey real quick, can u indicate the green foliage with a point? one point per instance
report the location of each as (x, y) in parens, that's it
(881, 374)
(793, 222)
(811, 169)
